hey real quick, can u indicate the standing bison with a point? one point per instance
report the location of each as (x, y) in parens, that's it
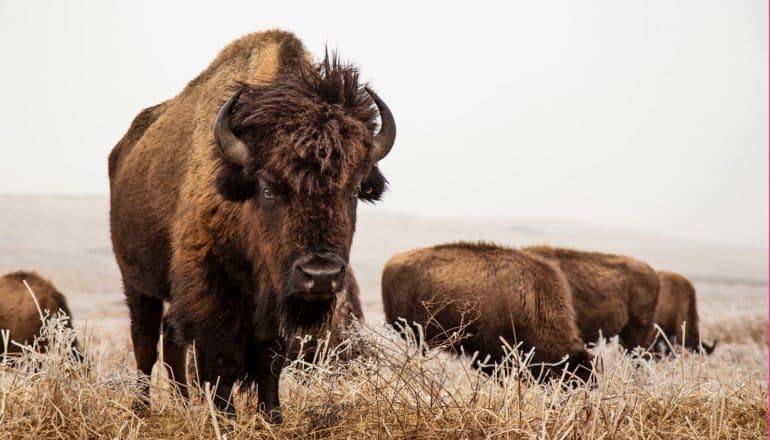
(235, 202)
(677, 306)
(20, 315)
(612, 294)
(486, 292)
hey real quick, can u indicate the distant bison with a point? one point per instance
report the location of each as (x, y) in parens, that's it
(487, 292)
(677, 306)
(235, 202)
(18, 312)
(612, 294)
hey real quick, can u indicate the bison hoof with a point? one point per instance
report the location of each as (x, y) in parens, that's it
(141, 406)
(274, 416)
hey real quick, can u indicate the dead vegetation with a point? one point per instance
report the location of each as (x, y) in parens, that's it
(394, 389)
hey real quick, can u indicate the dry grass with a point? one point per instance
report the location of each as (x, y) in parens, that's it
(393, 390)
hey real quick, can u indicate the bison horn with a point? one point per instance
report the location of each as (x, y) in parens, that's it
(232, 148)
(383, 141)
(710, 348)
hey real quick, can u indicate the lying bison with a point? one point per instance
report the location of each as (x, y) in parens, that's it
(485, 292)
(19, 314)
(612, 294)
(235, 202)
(677, 305)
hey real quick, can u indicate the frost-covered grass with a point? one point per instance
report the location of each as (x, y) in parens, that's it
(393, 389)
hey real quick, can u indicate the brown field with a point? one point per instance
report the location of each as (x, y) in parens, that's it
(392, 390)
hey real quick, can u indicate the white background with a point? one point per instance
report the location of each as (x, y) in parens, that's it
(644, 115)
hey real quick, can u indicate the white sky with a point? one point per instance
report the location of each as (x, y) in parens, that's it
(645, 115)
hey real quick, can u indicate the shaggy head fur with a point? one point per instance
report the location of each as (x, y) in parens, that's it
(311, 130)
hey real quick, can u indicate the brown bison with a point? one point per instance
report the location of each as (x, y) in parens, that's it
(485, 292)
(677, 305)
(612, 294)
(235, 202)
(19, 314)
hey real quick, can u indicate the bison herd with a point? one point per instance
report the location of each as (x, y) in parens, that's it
(552, 301)
(232, 213)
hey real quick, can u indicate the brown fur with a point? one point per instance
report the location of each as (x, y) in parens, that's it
(18, 312)
(196, 231)
(677, 306)
(488, 292)
(612, 294)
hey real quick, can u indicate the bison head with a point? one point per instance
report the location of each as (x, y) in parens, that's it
(298, 154)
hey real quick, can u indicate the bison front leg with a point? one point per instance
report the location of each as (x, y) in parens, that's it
(266, 369)
(220, 363)
(146, 315)
(175, 358)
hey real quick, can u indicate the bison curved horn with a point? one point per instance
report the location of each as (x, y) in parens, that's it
(383, 141)
(232, 148)
(710, 348)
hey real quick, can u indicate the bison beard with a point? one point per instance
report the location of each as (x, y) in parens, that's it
(299, 316)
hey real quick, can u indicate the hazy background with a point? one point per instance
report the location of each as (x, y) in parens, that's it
(650, 116)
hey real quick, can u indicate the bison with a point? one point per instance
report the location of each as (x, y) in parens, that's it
(235, 203)
(486, 292)
(20, 315)
(677, 305)
(612, 294)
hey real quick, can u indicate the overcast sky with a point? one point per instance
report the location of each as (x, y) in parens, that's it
(645, 115)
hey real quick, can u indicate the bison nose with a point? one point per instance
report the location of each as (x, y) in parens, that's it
(320, 275)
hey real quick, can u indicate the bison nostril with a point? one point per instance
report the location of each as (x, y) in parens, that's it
(320, 275)
(320, 272)
(302, 272)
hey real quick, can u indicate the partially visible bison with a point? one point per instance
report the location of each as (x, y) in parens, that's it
(487, 292)
(612, 294)
(235, 202)
(19, 314)
(677, 306)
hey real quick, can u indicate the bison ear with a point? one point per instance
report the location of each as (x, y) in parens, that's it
(373, 186)
(233, 185)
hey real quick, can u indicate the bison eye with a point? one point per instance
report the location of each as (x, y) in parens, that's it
(356, 192)
(268, 193)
